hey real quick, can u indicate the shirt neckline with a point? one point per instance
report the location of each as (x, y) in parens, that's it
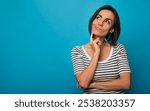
(103, 61)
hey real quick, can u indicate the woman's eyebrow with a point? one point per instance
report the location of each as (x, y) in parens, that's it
(108, 19)
(105, 18)
(99, 15)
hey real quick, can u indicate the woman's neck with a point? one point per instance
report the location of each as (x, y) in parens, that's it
(102, 39)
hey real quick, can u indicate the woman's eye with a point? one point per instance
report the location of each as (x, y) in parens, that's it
(97, 17)
(107, 21)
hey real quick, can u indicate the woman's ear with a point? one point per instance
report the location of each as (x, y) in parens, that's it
(112, 30)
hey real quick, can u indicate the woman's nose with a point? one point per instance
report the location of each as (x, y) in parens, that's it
(100, 22)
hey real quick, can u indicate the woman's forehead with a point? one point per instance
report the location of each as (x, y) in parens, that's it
(106, 14)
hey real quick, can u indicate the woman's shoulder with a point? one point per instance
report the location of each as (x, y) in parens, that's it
(77, 49)
(119, 46)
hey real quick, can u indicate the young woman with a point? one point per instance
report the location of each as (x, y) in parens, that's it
(101, 65)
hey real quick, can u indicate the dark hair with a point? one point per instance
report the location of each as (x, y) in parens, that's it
(111, 37)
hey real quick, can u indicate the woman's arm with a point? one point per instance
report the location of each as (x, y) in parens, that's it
(84, 78)
(121, 83)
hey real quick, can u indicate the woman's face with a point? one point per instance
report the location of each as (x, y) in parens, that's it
(103, 23)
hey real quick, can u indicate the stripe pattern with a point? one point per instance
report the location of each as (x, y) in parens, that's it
(106, 70)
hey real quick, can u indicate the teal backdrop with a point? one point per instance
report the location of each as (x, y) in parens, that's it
(36, 37)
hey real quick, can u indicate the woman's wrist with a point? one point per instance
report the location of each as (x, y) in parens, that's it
(92, 85)
(97, 54)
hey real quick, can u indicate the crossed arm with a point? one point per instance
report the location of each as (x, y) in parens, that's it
(123, 82)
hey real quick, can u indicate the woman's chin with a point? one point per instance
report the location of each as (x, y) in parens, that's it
(98, 35)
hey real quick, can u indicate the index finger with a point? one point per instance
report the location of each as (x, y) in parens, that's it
(91, 37)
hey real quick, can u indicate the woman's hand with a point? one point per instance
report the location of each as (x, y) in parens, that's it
(96, 44)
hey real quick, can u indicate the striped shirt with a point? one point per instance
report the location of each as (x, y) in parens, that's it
(106, 70)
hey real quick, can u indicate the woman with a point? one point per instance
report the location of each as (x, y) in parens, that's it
(101, 65)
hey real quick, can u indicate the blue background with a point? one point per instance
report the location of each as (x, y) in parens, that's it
(36, 37)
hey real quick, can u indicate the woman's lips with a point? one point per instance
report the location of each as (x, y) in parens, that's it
(97, 28)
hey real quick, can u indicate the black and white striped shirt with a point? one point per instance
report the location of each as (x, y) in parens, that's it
(106, 70)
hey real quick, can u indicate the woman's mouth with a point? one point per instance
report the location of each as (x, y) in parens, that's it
(97, 28)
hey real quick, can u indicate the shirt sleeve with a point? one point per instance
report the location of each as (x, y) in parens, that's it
(77, 61)
(123, 60)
